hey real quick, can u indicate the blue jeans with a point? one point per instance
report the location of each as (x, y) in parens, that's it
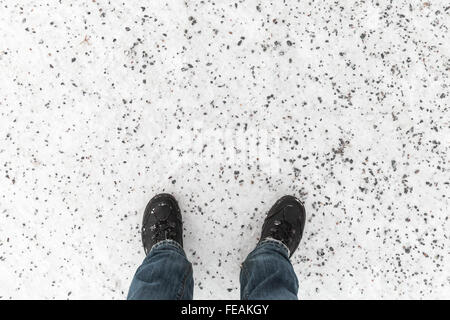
(166, 274)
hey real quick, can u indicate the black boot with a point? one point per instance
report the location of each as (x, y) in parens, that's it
(162, 221)
(285, 222)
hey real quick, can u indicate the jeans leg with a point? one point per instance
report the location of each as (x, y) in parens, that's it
(267, 273)
(165, 274)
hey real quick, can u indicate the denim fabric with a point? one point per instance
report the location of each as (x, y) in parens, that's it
(166, 274)
(267, 273)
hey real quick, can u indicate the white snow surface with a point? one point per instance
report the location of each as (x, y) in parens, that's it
(228, 105)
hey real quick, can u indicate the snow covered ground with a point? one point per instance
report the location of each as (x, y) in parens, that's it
(228, 105)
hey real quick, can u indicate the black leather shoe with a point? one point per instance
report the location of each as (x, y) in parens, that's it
(285, 222)
(162, 221)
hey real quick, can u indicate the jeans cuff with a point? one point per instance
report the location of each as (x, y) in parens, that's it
(167, 244)
(277, 243)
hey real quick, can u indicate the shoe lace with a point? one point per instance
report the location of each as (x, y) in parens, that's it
(282, 230)
(163, 230)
